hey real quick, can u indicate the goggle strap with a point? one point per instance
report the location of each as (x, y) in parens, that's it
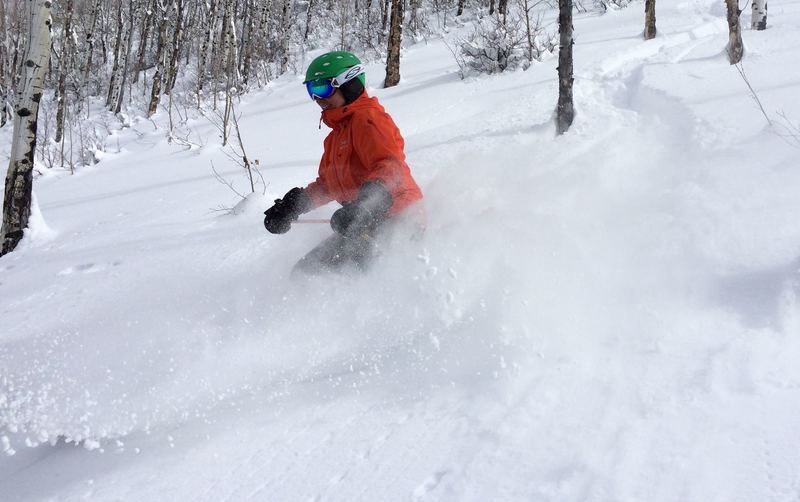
(348, 75)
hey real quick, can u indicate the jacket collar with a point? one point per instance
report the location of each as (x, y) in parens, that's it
(334, 116)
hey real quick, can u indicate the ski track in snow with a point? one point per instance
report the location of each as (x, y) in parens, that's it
(628, 333)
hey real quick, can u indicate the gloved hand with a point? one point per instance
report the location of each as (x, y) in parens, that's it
(364, 214)
(278, 219)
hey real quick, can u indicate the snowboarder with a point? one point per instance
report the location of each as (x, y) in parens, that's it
(362, 167)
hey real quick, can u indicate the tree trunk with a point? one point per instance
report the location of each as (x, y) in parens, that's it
(565, 112)
(3, 56)
(649, 19)
(528, 31)
(735, 44)
(177, 44)
(460, 7)
(395, 39)
(64, 67)
(384, 14)
(308, 20)
(126, 63)
(247, 43)
(90, 45)
(112, 84)
(144, 36)
(208, 42)
(155, 94)
(502, 8)
(286, 25)
(759, 15)
(19, 181)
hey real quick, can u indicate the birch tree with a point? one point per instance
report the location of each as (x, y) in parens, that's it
(90, 30)
(177, 45)
(164, 9)
(19, 181)
(64, 67)
(395, 39)
(144, 37)
(565, 111)
(113, 85)
(126, 62)
(759, 21)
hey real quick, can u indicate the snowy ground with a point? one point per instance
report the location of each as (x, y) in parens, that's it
(610, 315)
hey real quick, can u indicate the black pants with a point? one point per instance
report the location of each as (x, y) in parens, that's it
(338, 253)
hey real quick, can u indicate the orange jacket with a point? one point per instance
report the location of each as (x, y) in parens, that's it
(364, 145)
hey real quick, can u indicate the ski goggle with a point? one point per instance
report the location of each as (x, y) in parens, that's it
(323, 88)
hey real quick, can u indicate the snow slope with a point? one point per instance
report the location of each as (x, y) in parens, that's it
(610, 315)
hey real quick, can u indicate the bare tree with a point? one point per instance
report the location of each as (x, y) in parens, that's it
(210, 19)
(384, 14)
(502, 9)
(649, 19)
(113, 86)
(91, 32)
(65, 65)
(164, 8)
(177, 45)
(759, 21)
(144, 37)
(126, 63)
(286, 32)
(565, 111)
(13, 25)
(395, 40)
(735, 44)
(19, 181)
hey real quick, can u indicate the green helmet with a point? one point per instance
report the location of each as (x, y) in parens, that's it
(333, 64)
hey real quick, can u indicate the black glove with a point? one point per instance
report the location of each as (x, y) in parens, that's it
(364, 214)
(278, 219)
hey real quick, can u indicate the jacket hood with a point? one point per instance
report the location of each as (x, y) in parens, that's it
(333, 116)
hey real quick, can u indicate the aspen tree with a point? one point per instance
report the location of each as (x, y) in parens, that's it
(126, 61)
(384, 14)
(759, 21)
(285, 27)
(177, 45)
(65, 65)
(90, 41)
(118, 47)
(144, 36)
(246, 43)
(19, 180)
(164, 7)
(565, 111)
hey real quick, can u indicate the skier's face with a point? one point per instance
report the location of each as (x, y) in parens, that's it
(335, 100)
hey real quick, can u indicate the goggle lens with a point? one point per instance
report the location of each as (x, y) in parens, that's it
(320, 88)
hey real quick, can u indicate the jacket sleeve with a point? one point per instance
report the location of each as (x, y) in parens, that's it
(318, 193)
(317, 190)
(379, 147)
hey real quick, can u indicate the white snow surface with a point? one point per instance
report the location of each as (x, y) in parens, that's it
(608, 315)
